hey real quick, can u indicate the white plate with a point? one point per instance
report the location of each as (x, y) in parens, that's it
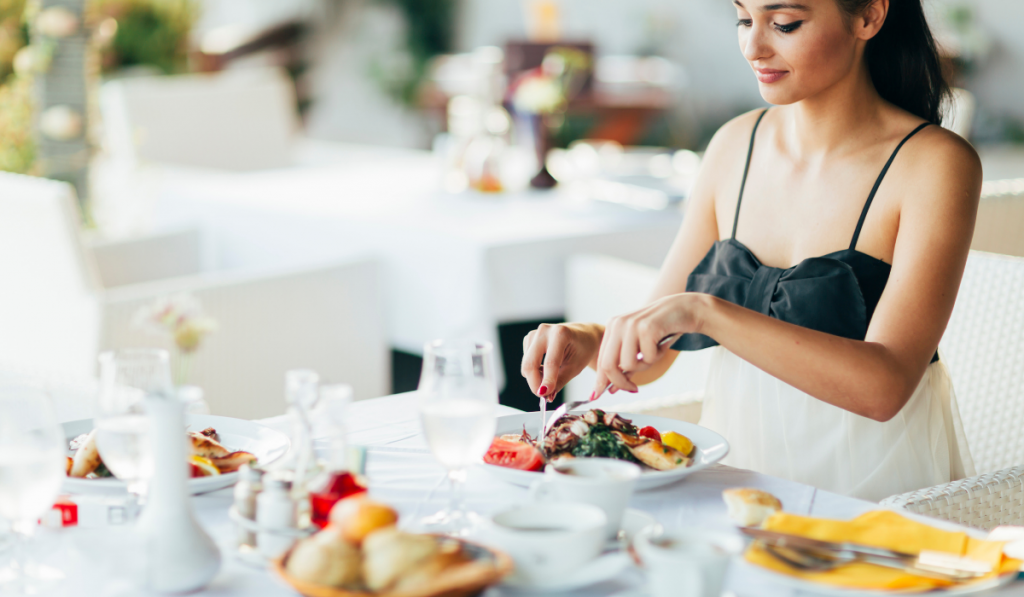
(266, 444)
(710, 448)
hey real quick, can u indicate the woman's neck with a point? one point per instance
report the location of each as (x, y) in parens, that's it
(822, 124)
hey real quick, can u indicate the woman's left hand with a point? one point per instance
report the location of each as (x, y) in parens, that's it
(630, 343)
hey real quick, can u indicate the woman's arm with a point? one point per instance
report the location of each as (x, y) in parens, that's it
(875, 377)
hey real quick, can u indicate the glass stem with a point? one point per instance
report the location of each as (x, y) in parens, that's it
(456, 505)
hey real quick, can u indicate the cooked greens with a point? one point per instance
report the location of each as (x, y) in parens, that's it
(599, 442)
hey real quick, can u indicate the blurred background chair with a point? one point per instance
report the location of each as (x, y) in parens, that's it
(1000, 224)
(67, 301)
(983, 347)
(235, 120)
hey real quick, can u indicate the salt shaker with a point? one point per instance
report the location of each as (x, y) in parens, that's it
(275, 511)
(250, 483)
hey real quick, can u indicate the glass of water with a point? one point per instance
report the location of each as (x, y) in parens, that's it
(122, 429)
(458, 400)
(33, 454)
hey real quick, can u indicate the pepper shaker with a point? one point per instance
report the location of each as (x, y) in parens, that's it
(275, 511)
(250, 483)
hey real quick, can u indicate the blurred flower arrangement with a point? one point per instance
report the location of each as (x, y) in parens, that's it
(429, 31)
(151, 33)
(181, 319)
(540, 97)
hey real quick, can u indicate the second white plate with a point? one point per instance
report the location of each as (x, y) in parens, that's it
(235, 434)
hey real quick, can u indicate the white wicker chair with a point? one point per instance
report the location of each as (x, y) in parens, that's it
(984, 350)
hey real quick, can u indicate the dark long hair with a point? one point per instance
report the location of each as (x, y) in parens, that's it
(903, 59)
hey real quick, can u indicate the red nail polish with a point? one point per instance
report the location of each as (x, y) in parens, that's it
(592, 395)
(543, 390)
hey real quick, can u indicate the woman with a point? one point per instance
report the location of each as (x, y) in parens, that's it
(821, 253)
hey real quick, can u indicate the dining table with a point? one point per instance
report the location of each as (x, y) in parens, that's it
(403, 474)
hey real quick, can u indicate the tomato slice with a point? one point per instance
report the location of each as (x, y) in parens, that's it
(650, 432)
(517, 455)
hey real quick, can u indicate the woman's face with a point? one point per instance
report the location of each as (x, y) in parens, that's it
(797, 48)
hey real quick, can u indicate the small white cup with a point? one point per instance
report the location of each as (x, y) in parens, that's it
(547, 541)
(686, 563)
(603, 482)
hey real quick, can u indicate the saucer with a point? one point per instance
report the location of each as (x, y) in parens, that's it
(601, 568)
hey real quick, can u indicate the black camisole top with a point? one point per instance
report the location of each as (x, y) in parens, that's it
(835, 293)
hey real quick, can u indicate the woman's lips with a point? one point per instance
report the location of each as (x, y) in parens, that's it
(769, 75)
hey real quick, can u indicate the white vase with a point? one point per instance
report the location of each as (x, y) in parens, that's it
(180, 556)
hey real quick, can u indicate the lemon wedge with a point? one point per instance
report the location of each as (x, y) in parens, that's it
(678, 441)
(205, 465)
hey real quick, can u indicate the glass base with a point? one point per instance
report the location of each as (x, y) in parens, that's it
(454, 523)
(32, 579)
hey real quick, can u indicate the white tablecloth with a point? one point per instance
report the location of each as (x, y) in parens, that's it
(403, 474)
(455, 265)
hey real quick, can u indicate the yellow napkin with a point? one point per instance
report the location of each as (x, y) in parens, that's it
(884, 529)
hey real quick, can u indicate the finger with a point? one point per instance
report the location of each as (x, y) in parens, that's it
(650, 352)
(528, 340)
(628, 351)
(558, 344)
(609, 346)
(620, 380)
(533, 356)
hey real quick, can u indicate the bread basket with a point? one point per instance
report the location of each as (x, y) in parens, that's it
(483, 568)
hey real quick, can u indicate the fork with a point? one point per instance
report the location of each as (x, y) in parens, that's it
(803, 559)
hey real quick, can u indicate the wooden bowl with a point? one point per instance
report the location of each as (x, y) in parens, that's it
(483, 568)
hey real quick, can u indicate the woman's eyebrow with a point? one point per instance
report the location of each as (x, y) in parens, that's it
(776, 6)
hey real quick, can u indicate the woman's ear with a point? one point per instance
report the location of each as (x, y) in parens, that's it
(867, 24)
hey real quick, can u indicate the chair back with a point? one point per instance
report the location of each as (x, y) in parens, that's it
(983, 347)
(235, 120)
(1000, 224)
(49, 314)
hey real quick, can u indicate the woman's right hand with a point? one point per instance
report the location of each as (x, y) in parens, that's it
(553, 354)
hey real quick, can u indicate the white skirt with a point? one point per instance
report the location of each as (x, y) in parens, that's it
(776, 429)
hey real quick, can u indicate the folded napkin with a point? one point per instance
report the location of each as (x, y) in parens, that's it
(884, 529)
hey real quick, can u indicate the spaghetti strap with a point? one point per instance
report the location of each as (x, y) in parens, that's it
(746, 169)
(878, 182)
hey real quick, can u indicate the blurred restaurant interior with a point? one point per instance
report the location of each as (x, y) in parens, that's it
(337, 182)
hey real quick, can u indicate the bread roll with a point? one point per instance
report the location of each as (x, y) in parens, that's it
(388, 554)
(326, 559)
(750, 507)
(358, 516)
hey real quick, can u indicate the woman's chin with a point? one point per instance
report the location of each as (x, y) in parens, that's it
(778, 95)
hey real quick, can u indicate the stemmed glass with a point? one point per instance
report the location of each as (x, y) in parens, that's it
(458, 400)
(122, 429)
(32, 467)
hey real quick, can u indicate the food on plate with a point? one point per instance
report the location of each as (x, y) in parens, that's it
(750, 507)
(514, 454)
(327, 559)
(209, 457)
(651, 432)
(362, 549)
(358, 516)
(678, 441)
(87, 457)
(595, 433)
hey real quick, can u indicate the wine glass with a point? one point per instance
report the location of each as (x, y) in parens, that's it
(33, 456)
(122, 429)
(458, 400)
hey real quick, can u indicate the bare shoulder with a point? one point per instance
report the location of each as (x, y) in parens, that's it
(945, 167)
(733, 135)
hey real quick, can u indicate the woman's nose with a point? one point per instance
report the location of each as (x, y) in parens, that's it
(754, 43)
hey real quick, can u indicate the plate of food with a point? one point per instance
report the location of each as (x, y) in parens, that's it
(220, 445)
(362, 553)
(666, 449)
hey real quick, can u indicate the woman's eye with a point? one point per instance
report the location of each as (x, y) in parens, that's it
(744, 23)
(788, 27)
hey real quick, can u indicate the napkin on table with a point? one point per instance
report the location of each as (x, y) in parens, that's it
(884, 529)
